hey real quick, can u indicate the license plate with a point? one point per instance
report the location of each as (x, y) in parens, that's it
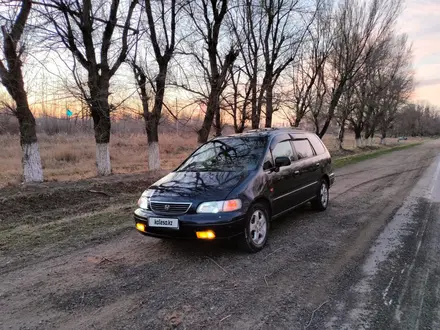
(163, 223)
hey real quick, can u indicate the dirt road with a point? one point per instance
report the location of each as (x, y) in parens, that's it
(370, 261)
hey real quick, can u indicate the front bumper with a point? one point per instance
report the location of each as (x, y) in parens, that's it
(225, 225)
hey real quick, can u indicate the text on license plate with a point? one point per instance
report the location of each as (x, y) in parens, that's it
(163, 222)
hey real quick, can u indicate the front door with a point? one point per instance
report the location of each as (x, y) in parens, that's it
(282, 180)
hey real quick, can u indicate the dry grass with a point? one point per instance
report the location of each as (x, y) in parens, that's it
(67, 157)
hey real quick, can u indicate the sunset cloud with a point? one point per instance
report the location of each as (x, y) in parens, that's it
(428, 82)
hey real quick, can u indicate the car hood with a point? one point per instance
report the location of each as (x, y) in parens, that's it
(203, 186)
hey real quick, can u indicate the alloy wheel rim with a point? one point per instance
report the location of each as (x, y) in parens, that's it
(258, 227)
(324, 195)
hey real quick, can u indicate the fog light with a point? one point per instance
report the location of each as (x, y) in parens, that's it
(207, 234)
(140, 227)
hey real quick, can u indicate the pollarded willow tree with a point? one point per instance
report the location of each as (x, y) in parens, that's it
(307, 85)
(160, 27)
(11, 76)
(210, 55)
(359, 28)
(385, 84)
(99, 36)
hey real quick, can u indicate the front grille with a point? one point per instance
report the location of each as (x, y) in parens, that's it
(169, 208)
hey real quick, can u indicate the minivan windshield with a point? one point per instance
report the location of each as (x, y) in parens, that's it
(228, 154)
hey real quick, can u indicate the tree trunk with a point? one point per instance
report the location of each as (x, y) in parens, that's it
(103, 159)
(367, 131)
(255, 115)
(234, 119)
(269, 105)
(152, 120)
(316, 123)
(218, 122)
(211, 109)
(358, 137)
(240, 129)
(254, 104)
(383, 137)
(152, 129)
(12, 78)
(372, 132)
(31, 160)
(153, 144)
(260, 98)
(259, 106)
(32, 169)
(341, 134)
(101, 122)
(331, 111)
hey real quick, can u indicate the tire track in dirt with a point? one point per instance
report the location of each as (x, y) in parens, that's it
(400, 275)
(418, 169)
(385, 198)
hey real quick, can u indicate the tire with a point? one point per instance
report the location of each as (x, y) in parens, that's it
(320, 202)
(256, 228)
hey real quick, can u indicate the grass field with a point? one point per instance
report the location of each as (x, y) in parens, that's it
(72, 157)
(343, 161)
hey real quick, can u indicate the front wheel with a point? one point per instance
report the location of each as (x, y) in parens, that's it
(257, 228)
(320, 202)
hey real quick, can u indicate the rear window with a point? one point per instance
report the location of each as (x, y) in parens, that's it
(317, 144)
(303, 149)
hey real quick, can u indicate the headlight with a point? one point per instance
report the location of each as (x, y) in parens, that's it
(220, 206)
(144, 201)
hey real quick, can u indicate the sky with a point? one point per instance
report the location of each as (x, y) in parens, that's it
(421, 21)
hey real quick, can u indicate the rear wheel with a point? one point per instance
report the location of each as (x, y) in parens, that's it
(320, 202)
(257, 228)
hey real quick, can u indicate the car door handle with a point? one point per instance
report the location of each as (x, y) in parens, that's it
(296, 172)
(318, 164)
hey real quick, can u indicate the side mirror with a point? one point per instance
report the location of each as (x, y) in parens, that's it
(267, 165)
(282, 161)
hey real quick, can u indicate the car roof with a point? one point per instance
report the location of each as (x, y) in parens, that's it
(270, 132)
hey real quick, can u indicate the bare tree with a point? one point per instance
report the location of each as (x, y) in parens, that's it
(245, 25)
(383, 85)
(207, 17)
(12, 78)
(318, 99)
(358, 27)
(162, 37)
(87, 30)
(236, 100)
(280, 40)
(365, 100)
(345, 108)
(398, 80)
(308, 69)
(417, 119)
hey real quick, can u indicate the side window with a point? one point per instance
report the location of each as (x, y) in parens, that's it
(303, 149)
(283, 149)
(317, 144)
